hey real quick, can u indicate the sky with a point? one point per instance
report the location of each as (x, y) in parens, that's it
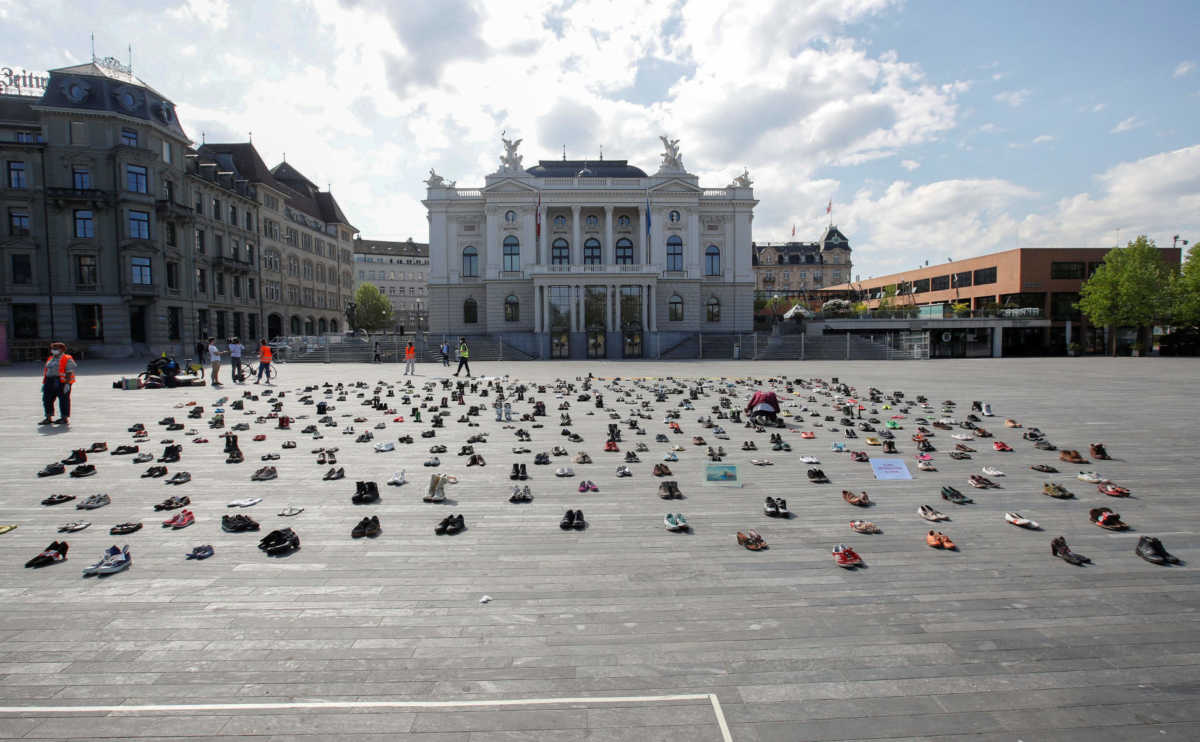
(937, 130)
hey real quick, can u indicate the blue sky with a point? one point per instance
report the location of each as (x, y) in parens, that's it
(938, 129)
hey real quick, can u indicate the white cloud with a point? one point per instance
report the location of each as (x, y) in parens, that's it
(1184, 68)
(1042, 139)
(1014, 98)
(990, 128)
(910, 165)
(1129, 124)
(214, 13)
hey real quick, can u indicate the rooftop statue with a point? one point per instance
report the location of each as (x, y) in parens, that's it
(510, 161)
(741, 181)
(672, 161)
(435, 180)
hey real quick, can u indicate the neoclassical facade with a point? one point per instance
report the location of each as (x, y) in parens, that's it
(581, 259)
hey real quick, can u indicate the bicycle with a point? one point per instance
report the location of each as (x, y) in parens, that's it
(271, 373)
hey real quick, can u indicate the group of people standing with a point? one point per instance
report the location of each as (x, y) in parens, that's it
(235, 351)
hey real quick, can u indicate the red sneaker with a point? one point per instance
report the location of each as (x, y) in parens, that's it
(260, 437)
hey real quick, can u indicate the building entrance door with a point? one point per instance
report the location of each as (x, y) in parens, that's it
(632, 344)
(137, 323)
(560, 344)
(597, 343)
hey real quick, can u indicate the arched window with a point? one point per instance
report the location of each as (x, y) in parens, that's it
(295, 325)
(675, 308)
(712, 261)
(512, 254)
(624, 252)
(673, 217)
(470, 262)
(322, 326)
(674, 253)
(713, 310)
(622, 221)
(560, 252)
(310, 326)
(510, 217)
(470, 312)
(333, 325)
(591, 251)
(512, 309)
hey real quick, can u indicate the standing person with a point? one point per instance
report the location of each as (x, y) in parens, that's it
(264, 360)
(377, 357)
(235, 357)
(58, 375)
(464, 353)
(410, 359)
(445, 354)
(214, 358)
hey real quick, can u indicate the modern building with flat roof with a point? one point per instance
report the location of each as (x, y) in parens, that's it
(1037, 282)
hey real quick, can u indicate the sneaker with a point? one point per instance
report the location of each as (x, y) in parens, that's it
(182, 519)
(115, 562)
(201, 552)
(180, 477)
(1021, 522)
(291, 510)
(671, 522)
(83, 470)
(770, 508)
(398, 479)
(94, 501)
(992, 471)
(238, 523)
(57, 499)
(1089, 476)
(844, 556)
(73, 526)
(384, 447)
(111, 552)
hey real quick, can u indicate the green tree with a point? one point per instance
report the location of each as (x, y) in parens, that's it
(373, 311)
(1187, 291)
(1131, 288)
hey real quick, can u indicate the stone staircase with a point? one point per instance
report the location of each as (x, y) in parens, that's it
(822, 348)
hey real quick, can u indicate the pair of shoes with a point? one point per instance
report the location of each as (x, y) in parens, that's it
(518, 472)
(180, 477)
(264, 474)
(564, 471)
(174, 502)
(332, 474)
(73, 526)
(280, 541)
(939, 540)
(624, 471)
(245, 502)
(861, 500)
(669, 490)
(83, 470)
(57, 499)
(1107, 519)
(662, 470)
(1057, 491)
(55, 552)
(290, 511)
(675, 522)
(844, 556)
(365, 493)
(776, 507)
(398, 478)
(522, 494)
(751, 540)
(238, 523)
(931, 514)
(817, 476)
(182, 519)
(93, 502)
(1044, 468)
(864, 526)
(1021, 522)
(200, 552)
(113, 560)
(587, 485)
(450, 525)
(367, 527)
(573, 519)
(950, 494)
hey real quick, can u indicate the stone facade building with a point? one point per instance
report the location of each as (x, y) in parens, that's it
(400, 270)
(793, 268)
(121, 239)
(582, 259)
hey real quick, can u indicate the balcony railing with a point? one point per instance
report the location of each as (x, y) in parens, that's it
(644, 268)
(168, 208)
(89, 195)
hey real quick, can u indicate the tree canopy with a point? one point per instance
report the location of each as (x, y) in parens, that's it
(1187, 290)
(373, 311)
(1132, 287)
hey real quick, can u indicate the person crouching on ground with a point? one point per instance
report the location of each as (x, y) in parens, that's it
(763, 409)
(58, 375)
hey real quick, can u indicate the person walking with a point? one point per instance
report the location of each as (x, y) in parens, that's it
(264, 360)
(445, 354)
(235, 358)
(464, 353)
(410, 359)
(58, 375)
(214, 359)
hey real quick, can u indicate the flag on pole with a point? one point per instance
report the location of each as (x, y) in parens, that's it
(793, 230)
(538, 217)
(647, 217)
(829, 207)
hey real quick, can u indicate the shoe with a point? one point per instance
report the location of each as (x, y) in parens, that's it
(290, 511)
(57, 499)
(1021, 522)
(950, 494)
(568, 521)
(384, 447)
(201, 552)
(238, 523)
(844, 556)
(245, 502)
(671, 522)
(770, 508)
(182, 519)
(365, 494)
(931, 514)
(992, 471)
(83, 470)
(173, 503)
(265, 474)
(1057, 491)
(861, 500)
(398, 479)
(93, 502)
(934, 539)
(1059, 548)
(1044, 468)
(455, 525)
(624, 471)
(360, 530)
(180, 477)
(1112, 490)
(115, 562)
(123, 528)
(1151, 549)
(1107, 519)
(864, 526)
(277, 542)
(73, 526)
(1089, 476)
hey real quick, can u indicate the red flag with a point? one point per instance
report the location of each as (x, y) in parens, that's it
(538, 217)
(793, 230)
(829, 208)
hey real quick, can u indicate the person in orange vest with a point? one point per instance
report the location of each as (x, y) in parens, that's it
(264, 360)
(57, 377)
(410, 359)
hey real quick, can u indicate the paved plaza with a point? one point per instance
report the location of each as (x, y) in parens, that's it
(622, 631)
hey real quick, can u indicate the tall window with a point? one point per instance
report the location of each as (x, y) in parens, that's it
(174, 323)
(470, 262)
(592, 220)
(139, 225)
(129, 137)
(713, 310)
(25, 321)
(560, 252)
(173, 276)
(470, 312)
(512, 309)
(512, 254)
(18, 223)
(712, 261)
(85, 271)
(624, 251)
(81, 177)
(141, 271)
(89, 321)
(219, 280)
(675, 308)
(135, 179)
(201, 281)
(169, 234)
(674, 253)
(16, 174)
(200, 248)
(22, 269)
(591, 251)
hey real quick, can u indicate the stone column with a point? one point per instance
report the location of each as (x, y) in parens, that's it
(576, 248)
(645, 308)
(616, 308)
(543, 256)
(610, 250)
(582, 308)
(537, 310)
(643, 250)
(608, 308)
(545, 309)
(652, 317)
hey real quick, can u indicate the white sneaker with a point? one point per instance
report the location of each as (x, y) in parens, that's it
(963, 437)
(1089, 476)
(1017, 520)
(987, 410)
(398, 478)
(992, 471)
(809, 460)
(245, 502)
(384, 446)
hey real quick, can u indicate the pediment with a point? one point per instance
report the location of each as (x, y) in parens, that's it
(509, 185)
(675, 185)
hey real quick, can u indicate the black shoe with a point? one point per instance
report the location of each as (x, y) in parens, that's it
(44, 421)
(57, 499)
(457, 523)
(568, 521)
(524, 474)
(516, 472)
(440, 528)
(123, 528)
(78, 456)
(373, 528)
(52, 470)
(580, 523)
(238, 523)
(83, 470)
(360, 530)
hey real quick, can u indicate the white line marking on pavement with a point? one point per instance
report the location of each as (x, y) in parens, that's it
(300, 705)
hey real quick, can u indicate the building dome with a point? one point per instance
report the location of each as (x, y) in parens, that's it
(585, 169)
